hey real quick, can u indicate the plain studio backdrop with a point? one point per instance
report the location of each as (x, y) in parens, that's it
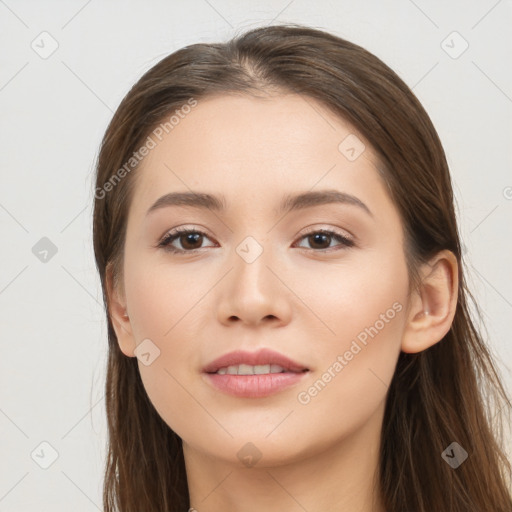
(64, 68)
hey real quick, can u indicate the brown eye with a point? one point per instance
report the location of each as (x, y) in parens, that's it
(190, 240)
(320, 240)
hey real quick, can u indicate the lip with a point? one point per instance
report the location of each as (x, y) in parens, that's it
(263, 356)
(254, 386)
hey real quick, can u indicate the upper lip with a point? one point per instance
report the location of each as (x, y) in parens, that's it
(260, 357)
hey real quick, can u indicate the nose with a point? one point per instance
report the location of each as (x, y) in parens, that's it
(254, 292)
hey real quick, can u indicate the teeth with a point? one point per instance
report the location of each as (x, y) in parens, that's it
(247, 369)
(261, 369)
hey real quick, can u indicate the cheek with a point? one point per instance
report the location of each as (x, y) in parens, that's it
(163, 304)
(346, 298)
(159, 299)
(356, 365)
(361, 303)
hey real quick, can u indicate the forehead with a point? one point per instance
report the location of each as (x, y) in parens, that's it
(241, 145)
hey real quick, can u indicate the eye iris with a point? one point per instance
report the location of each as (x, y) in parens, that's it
(319, 237)
(190, 237)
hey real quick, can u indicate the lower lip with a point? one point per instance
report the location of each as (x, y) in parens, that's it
(254, 386)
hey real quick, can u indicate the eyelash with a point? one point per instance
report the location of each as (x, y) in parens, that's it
(175, 234)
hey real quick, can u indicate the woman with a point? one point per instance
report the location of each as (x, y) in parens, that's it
(287, 312)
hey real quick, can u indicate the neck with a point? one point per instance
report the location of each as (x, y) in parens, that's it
(339, 476)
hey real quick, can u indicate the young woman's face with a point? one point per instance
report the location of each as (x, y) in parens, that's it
(263, 276)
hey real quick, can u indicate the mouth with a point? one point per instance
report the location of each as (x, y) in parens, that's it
(264, 361)
(259, 369)
(253, 374)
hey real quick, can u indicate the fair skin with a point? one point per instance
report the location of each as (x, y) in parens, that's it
(304, 303)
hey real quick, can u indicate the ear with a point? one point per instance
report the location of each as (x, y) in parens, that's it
(432, 307)
(119, 315)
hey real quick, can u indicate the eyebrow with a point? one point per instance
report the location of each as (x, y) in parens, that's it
(203, 200)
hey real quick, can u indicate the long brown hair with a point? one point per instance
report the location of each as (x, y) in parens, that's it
(437, 396)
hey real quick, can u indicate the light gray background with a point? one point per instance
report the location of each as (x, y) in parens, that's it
(54, 111)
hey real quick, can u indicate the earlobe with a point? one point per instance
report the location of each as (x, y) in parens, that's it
(118, 315)
(433, 305)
